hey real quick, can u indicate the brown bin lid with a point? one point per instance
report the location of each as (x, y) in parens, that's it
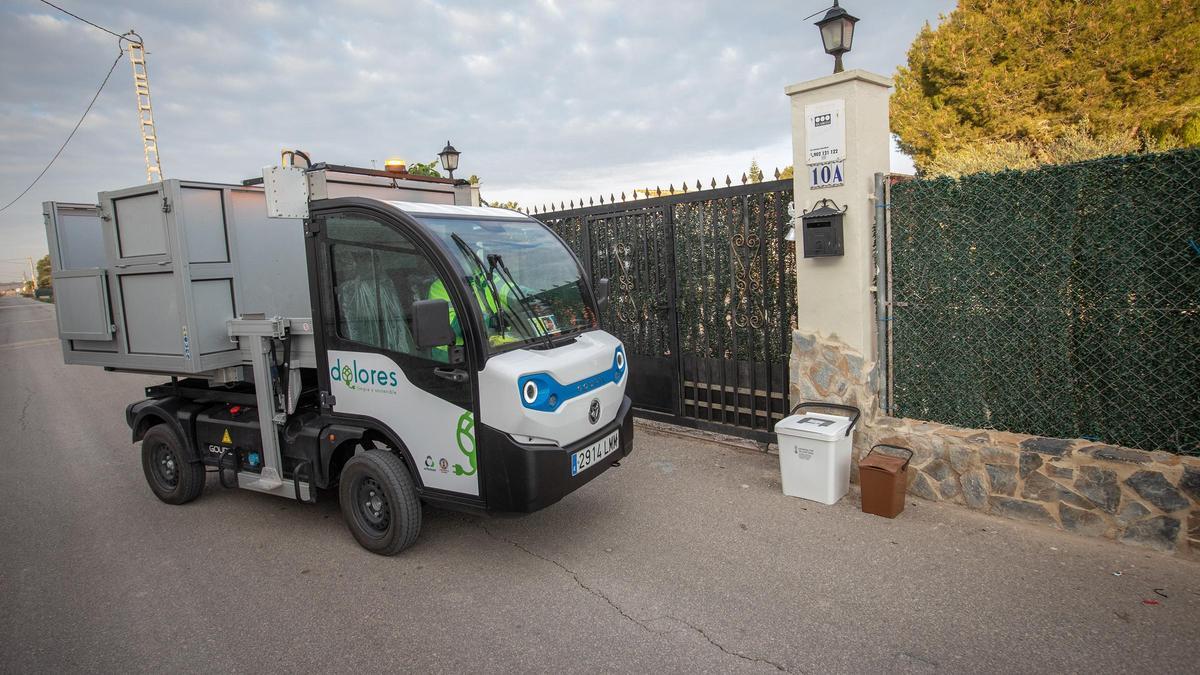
(880, 462)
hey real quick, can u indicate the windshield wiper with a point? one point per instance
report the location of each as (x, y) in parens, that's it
(482, 272)
(496, 260)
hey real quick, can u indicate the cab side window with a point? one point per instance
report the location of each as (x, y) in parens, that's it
(377, 276)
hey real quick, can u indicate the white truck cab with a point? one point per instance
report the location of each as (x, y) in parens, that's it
(451, 354)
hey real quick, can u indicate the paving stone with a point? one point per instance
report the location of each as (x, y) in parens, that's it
(1166, 458)
(974, 490)
(1002, 478)
(958, 432)
(1030, 461)
(803, 390)
(1039, 488)
(1132, 512)
(803, 343)
(921, 488)
(1114, 453)
(1058, 447)
(1021, 510)
(830, 354)
(1100, 486)
(1059, 471)
(1190, 483)
(949, 487)
(963, 458)
(921, 449)
(996, 455)
(1156, 489)
(937, 470)
(1007, 438)
(1160, 532)
(854, 367)
(1082, 522)
(822, 376)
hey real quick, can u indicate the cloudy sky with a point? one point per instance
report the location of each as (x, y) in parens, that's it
(546, 99)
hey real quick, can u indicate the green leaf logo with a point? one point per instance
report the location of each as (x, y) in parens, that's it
(465, 436)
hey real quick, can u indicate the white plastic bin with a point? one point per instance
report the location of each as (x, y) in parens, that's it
(814, 452)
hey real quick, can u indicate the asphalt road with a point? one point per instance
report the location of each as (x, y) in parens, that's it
(685, 559)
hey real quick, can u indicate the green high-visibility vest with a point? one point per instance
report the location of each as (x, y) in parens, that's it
(488, 304)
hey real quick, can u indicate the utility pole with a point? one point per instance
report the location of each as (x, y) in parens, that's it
(33, 271)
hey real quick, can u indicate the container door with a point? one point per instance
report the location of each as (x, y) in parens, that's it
(78, 261)
(369, 272)
(138, 221)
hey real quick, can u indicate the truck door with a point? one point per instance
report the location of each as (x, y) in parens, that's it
(369, 272)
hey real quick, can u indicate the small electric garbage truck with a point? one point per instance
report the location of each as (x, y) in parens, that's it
(334, 327)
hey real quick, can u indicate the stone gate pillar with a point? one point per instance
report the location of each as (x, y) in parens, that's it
(840, 140)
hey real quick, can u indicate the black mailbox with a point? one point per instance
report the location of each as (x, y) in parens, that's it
(823, 231)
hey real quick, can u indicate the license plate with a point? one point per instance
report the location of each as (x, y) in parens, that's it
(595, 452)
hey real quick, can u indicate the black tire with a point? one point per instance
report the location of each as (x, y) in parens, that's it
(171, 474)
(379, 502)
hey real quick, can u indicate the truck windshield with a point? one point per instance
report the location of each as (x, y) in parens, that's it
(525, 281)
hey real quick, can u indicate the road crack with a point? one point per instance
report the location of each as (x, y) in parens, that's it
(574, 575)
(640, 623)
(718, 645)
(25, 408)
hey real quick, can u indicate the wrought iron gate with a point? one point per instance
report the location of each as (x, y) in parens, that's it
(703, 296)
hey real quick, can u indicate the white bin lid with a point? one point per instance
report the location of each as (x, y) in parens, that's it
(818, 426)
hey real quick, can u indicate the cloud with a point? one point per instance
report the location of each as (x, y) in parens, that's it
(541, 96)
(480, 64)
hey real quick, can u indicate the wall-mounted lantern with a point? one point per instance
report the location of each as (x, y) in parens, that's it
(823, 230)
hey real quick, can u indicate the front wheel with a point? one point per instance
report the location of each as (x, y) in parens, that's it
(173, 478)
(379, 502)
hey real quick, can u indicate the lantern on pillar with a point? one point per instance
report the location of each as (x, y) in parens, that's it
(449, 158)
(837, 33)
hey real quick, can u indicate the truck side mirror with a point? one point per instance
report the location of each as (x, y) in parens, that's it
(602, 288)
(431, 324)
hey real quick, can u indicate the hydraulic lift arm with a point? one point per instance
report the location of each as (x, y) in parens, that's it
(256, 337)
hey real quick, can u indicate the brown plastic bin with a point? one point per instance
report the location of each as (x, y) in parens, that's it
(884, 481)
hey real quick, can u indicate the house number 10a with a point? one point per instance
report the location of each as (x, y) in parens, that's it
(827, 175)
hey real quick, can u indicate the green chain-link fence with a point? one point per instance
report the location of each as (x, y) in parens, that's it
(1063, 301)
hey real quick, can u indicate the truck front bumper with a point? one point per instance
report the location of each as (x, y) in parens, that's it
(525, 478)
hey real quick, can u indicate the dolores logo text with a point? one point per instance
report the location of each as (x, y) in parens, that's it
(367, 379)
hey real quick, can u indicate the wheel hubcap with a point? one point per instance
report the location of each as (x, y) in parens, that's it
(373, 505)
(165, 466)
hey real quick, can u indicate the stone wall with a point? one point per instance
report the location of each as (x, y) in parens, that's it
(1136, 497)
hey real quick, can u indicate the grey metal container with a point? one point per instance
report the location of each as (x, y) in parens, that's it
(149, 280)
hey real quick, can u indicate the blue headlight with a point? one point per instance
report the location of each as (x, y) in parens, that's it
(619, 365)
(543, 393)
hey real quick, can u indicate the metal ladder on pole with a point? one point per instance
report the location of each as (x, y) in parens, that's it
(141, 85)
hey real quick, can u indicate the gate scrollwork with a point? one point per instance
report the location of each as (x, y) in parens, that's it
(625, 305)
(746, 252)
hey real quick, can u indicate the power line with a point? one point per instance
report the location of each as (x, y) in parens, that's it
(93, 25)
(72, 134)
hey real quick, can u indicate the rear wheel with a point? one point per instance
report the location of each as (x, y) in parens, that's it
(173, 478)
(379, 502)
